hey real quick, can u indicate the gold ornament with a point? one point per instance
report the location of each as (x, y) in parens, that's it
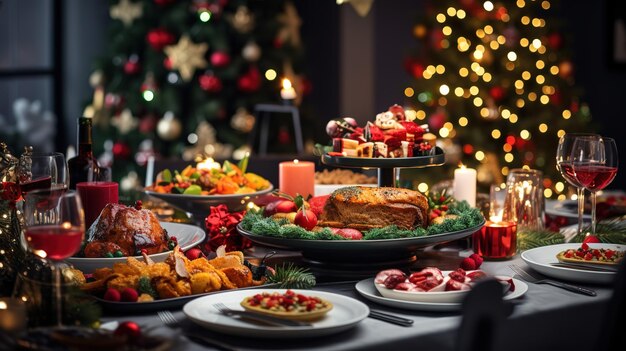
(125, 122)
(242, 20)
(169, 127)
(126, 11)
(242, 120)
(207, 144)
(8, 165)
(362, 7)
(290, 30)
(186, 56)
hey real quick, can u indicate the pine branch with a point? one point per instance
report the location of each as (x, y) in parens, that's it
(610, 231)
(291, 277)
(531, 239)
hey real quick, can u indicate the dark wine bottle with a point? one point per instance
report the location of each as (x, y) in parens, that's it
(84, 166)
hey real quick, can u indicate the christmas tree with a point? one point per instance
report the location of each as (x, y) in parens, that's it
(494, 81)
(181, 78)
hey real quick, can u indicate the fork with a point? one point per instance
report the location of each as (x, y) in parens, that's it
(170, 321)
(258, 317)
(531, 279)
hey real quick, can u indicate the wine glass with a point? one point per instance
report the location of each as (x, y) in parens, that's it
(564, 165)
(55, 227)
(594, 164)
(47, 170)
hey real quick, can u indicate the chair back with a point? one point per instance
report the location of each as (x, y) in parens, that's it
(484, 312)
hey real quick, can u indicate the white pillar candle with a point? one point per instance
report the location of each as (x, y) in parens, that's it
(464, 187)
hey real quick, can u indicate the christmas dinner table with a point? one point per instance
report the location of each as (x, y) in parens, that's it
(545, 317)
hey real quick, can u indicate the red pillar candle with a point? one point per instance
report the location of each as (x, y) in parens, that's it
(297, 177)
(95, 196)
(496, 240)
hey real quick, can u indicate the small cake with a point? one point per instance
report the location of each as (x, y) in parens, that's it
(126, 229)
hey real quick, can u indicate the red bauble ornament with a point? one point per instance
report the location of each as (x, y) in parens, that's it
(220, 59)
(250, 82)
(121, 150)
(147, 124)
(112, 100)
(555, 40)
(210, 83)
(131, 67)
(556, 98)
(497, 92)
(437, 120)
(159, 38)
(128, 329)
(566, 68)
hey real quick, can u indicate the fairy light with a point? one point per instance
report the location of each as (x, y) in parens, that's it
(445, 44)
(526, 75)
(496, 134)
(451, 11)
(484, 112)
(463, 121)
(444, 132)
(478, 55)
(519, 84)
(524, 42)
(431, 69)
(494, 45)
(447, 30)
(487, 77)
(512, 56)
(205, 16)
(488, 29)
(505, 113)
(524, 134)
(440, 69)
(448, 125)
(488, 5)
(505, 172)
(480, 33)
(559, 187)
(510, 66)
(540, 79)
(540, 64)
(478, 102)
(544, 99)
(525, 20)
(441, 18)
(521, 3)
(423, 187)
(513, 118)
(508, 157)
(507, 147)
(532, 96)
(458, 91)
(444, 89)
(420, 114)
(463, 72)
(560, 133)
(460, 13)
(542, 49)
(462, 44)
(501, 39)
(427, 75)
(543, 128)
(536, 43)
(270, 74)
(442, 101)
(554, 70)
(562, 197)
(545, 5)
(547, 192)
(148, 95)
(409, 92)
(536, 22)
(567, 114)
(479, 155)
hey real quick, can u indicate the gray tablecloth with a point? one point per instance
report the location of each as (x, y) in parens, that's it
(546, 317)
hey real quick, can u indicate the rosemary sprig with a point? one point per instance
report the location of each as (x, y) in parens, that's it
(290, 276)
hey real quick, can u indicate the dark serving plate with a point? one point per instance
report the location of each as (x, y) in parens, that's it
(401, 162)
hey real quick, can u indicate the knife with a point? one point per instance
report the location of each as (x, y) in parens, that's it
(587, 267)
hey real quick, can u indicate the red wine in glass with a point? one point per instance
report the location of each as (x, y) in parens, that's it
(567, 171)
(57, 242)
(594, 177)
(40, 183)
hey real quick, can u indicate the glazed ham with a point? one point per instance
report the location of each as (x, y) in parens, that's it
(370, 207)
(126, 229)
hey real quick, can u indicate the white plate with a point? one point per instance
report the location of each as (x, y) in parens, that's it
(346, 313)
(565, 208)
(368, 290)
(437, 294)
(187, 235)
(540, 258)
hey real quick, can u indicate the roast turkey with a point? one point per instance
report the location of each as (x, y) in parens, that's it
(375, 207)
(126, 229)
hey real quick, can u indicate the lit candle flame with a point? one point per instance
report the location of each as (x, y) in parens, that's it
(295, 161)
(286, 83)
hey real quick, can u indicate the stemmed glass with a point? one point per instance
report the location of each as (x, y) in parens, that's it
(564, 165)
(594, 164)
(47, 170)
(55, 227)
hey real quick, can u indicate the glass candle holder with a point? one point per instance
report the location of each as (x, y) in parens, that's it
(524, 202)
(496, 240)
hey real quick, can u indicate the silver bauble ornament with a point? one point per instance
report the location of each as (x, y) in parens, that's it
(169, 127)
(251, 52)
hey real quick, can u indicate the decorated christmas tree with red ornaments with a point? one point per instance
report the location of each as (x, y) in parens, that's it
(495, 82)
(181, 78)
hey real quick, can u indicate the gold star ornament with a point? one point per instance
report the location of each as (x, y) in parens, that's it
(291, 25)
(126, 11)
(362, 7)
(187, 56)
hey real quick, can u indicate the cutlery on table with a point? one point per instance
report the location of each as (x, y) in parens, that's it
(583, 266)
(169, 320)
(258, 317)
(390, 318)
(532, 279)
